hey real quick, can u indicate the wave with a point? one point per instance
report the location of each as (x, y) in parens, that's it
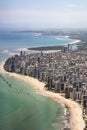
(8, 52)
(71, 41)
(67, 37)
(26, 50)
(5, 51)
(12, 52)
(62, 39)
(74, 42)
(37, 34)
(22, 49)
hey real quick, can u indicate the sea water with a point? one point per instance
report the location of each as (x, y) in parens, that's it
(21, 108)
(13, 40)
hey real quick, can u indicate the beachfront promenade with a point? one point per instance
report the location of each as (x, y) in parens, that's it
(63, 72)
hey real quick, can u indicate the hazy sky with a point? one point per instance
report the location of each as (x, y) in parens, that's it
(27, 14)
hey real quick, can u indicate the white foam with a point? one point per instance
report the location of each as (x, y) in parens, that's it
(62, 39)
(67, 36)
(8, 52)
(5, 51)
(74, 42)
(37, 34)
(12, 54)
(22, 49)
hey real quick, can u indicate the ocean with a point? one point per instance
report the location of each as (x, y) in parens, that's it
(21, 108)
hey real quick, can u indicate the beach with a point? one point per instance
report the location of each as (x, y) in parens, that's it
(74, 42)
(77, 122)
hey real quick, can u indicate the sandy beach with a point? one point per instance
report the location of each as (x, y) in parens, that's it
(75, 109)
(74, 42)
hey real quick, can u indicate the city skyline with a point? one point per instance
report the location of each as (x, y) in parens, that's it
(28, 14)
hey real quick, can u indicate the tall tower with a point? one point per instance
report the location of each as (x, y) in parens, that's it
(68, 47)
(38, 59)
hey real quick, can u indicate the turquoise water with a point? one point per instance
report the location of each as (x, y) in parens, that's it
(21, 108)
(10, 40)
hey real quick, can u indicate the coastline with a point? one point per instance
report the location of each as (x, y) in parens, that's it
(75, 109)
(56, 47)
(74, 42)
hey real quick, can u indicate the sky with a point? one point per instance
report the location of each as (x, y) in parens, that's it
(41, 14)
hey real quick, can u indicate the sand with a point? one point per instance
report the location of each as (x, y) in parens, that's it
(77, 122)
(74, 42)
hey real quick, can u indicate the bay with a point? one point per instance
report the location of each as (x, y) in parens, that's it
(10, 40)
(21, 108)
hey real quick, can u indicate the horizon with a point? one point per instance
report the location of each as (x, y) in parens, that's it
(27, 14)
(43, 29)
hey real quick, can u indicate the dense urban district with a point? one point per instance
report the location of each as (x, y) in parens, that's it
(64, 71)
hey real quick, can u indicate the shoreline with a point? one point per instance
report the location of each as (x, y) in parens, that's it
(74, 42)
(77, 122)
(56, 47)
